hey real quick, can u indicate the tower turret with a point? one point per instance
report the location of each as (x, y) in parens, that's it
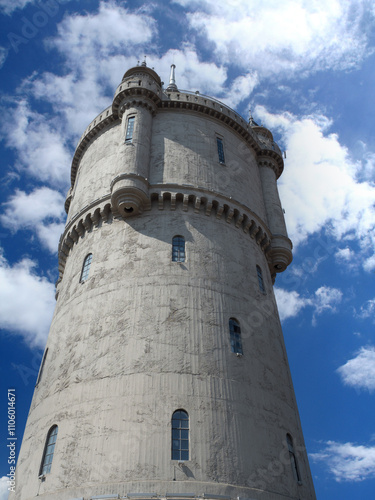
(270, 168)
(165, 374)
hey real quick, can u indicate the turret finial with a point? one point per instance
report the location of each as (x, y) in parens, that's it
(144, 62)
(252, 122)
(172, 80)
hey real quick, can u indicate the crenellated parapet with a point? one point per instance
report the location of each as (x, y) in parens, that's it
(168, 197)
(141, 85)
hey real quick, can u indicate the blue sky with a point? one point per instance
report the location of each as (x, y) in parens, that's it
(306, 69)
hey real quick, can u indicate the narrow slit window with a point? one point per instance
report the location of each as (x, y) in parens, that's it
(180, 435)
(49, 450)
(178, 249)
(130, 129)
(41, 367)
(220, 149)
(260, 280)
(86, 268)
(235, 336)
(293, 459)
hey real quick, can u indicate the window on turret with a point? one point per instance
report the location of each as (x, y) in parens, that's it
(86, 268)
(178, 249)
(49, 450)
(130, 129)
(220, 149)
(180, 435)
(293, 459)
(235, 336)
(260, 280)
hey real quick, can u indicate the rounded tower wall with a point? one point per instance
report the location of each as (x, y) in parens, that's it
(149, 336)
(168, 150)
(96, 170)
(186, 152)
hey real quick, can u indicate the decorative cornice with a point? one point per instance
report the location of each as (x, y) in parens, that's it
(136, 103)
(167, 197)
(139, 95)
(269, 161)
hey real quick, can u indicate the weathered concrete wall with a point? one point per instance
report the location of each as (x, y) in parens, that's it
(97, 169)
(184, 151)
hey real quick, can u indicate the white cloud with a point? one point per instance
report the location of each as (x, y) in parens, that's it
(95, 59)
(39, 143)
(289, 303)
(9, 6)
(359, 372)
(240, 89)
(284, 36)
(41, 211)
(95, 36)
(369, 264)
(344, 254)
(49, 235)
(25, 210)
(327, 298)
(76, 100)
(319, 186)
(4, 488)
(191, 73)
(367, 310)
(347, 462)
(26, 301)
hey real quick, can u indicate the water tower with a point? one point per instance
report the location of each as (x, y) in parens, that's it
(165, 374)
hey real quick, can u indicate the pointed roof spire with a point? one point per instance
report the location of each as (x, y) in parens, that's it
(144, 62)
(172, 80)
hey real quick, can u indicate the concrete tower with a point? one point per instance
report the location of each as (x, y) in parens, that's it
(165, 373)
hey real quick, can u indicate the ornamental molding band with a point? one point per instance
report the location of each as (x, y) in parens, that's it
(165, 374)
(99, 212)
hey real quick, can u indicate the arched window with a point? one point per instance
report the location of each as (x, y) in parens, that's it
(180, 435)
(293, 458)
(86, 268)
(49, 450)
(260, 280)
(235, 336)
(178, 249)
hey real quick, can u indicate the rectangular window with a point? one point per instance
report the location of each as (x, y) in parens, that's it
(178, 249)
(220, 149)
(235, 336)
(130, 129)
(260, 280)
